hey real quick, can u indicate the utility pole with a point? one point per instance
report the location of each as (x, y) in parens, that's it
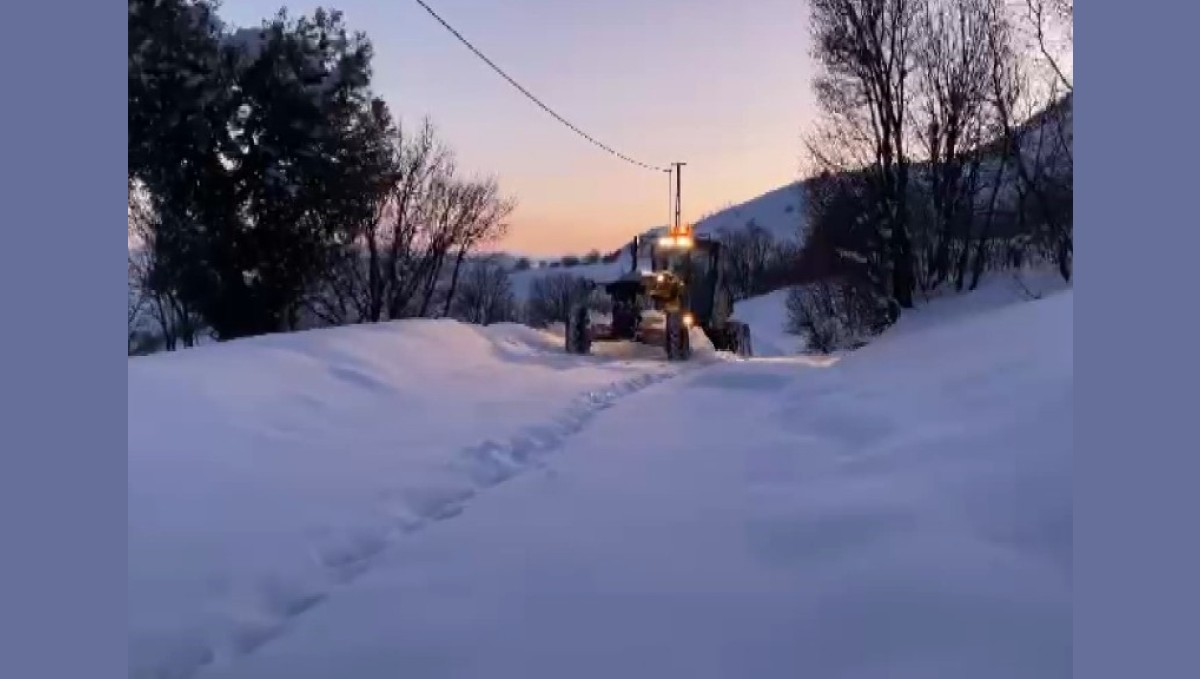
(670, 188)
(678, 189)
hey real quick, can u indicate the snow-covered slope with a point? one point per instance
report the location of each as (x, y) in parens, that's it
(264, 472)
(780, 212)
(767, 314)
(310, 506)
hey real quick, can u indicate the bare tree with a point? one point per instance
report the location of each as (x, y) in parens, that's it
(750, 255)
(414, 233)
(866, 50)
(1041, 176)
(834, 301)
(552, 296)
(1006, 90)
(485, 294)
(1044, 16)
(393, 268)
(384, 267)
(484, 215)
(830, 314)
(953, 71)
(462, 213)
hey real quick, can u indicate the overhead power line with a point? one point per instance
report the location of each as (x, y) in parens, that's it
(534, 99)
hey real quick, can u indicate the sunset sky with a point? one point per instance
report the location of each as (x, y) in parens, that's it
(722, 85)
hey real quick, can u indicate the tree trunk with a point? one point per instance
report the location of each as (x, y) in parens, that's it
(1064, 258)
(164, 322)
(903, 275)
(462, 253)
(431, 284)
(374, 279)
(989, 220)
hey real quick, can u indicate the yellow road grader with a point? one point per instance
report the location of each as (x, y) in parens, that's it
(682, 288)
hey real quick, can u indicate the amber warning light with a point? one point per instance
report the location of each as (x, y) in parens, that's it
(677, 237)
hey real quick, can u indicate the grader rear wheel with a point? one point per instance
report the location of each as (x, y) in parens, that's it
(740, 334)
(678, 341)
(579, 331)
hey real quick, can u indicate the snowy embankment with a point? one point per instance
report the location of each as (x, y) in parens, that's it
(903, 511)
(264, 472)
(767, 314)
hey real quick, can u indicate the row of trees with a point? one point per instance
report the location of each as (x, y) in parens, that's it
(943, 151)
(566, 261)
(269, 189)
(755, 261)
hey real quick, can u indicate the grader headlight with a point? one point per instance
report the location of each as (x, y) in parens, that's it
(676, 242)
(677, 238)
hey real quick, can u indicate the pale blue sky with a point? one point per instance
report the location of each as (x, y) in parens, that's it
(720, 84)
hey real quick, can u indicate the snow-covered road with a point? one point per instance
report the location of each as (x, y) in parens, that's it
(902, 512)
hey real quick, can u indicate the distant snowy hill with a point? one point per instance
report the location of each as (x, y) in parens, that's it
(779, 211)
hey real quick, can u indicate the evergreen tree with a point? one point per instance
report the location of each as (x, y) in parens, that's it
(253, 148)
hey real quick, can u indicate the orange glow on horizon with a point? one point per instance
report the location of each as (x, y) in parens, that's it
(558, 216)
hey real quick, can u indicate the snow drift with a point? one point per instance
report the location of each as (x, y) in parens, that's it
(264, 472)
(903, 511)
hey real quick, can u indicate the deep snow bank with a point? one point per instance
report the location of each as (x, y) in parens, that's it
(767, 317)
(767, 314)
(263, 472)
(901, 512)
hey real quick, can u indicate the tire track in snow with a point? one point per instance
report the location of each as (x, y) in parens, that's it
(255, 616)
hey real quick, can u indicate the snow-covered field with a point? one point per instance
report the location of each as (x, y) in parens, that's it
(330, 504)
